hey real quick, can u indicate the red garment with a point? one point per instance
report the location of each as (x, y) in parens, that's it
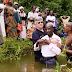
(23, 22)
(5, 1)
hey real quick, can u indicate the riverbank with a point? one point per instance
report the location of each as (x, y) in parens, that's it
(14, 49)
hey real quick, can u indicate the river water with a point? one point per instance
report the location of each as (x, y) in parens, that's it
(26, 64)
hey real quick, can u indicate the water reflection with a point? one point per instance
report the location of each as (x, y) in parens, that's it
(26, 64)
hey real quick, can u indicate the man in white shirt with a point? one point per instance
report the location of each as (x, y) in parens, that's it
(31, 16)
(51, 19)
(50, 46)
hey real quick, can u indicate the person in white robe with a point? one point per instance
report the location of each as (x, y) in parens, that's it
(2, 6)
(23, 17)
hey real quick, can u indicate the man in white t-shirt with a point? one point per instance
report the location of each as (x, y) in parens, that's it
(31, 16)
(50, 46)
(51, 18)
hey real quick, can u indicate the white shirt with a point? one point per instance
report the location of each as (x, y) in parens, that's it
(49, 50)
(51, 18)
(16, 10)
(32, 15)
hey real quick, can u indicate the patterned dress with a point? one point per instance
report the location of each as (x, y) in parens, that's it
(10, 27)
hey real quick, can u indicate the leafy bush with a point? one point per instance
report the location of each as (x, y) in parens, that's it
(13, 49)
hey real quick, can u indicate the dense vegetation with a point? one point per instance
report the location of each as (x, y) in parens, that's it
(14, 49)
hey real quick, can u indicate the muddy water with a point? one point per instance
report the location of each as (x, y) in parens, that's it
(26, 64)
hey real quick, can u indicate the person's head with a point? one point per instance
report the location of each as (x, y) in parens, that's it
(39, 23)
(47, 10)
(37, 10)
(51, 12)
(68, 27)
(49, 29)
(64, 16)
(15, 5)
(63, 30)
(33, 8)
(61, 24)
(55, 15)
(21, 8)
(58, 32)
(10, 2)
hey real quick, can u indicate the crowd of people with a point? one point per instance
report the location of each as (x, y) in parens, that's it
(42, 29)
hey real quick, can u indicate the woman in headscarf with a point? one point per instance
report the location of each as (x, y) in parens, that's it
(12, 19)
(23, 17)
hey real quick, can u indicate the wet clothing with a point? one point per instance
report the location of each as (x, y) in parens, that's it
(49, 51)
(37, 34)
(50, 61)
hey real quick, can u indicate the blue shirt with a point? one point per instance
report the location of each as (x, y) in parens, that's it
(37, 34)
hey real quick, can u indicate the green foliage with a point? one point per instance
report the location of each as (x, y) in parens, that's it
(14, 49)
(58, 68)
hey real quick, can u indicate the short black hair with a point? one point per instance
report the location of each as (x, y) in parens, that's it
(32, 6)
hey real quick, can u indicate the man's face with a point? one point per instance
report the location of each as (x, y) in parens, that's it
(49, 30)
(16, 6)
(61, 24)
(47, 11)
(34, 8)
(67, 28)
(21, 10)
(51, 12)
(39, 24)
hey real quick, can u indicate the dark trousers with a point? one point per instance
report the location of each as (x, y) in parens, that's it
(38, 55)
(50, 61)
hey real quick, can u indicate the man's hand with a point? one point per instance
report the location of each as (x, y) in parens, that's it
(40, 42)
(54, 40)
(47, 41)
(61, 46)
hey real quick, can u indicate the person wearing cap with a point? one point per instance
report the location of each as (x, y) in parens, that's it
(23, 17)
(16, 7)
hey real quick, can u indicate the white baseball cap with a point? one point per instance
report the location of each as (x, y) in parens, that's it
(15, 3)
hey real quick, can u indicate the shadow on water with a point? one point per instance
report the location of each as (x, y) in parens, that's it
(26, 64)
